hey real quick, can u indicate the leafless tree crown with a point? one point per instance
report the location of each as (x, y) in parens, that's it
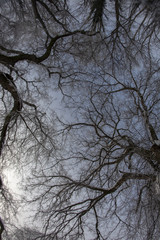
(89, 162)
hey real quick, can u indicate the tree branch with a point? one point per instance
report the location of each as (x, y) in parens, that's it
(32, 57)
(7, 83)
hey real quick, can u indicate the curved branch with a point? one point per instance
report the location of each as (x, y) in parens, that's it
(119, 183)
(126, 176)
(32, 57)
(103, 192)
(7, 83)
(144, 111)
(37, 15)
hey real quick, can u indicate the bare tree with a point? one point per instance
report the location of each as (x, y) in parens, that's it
(114, 144)
(105, 184)
(30, 32)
